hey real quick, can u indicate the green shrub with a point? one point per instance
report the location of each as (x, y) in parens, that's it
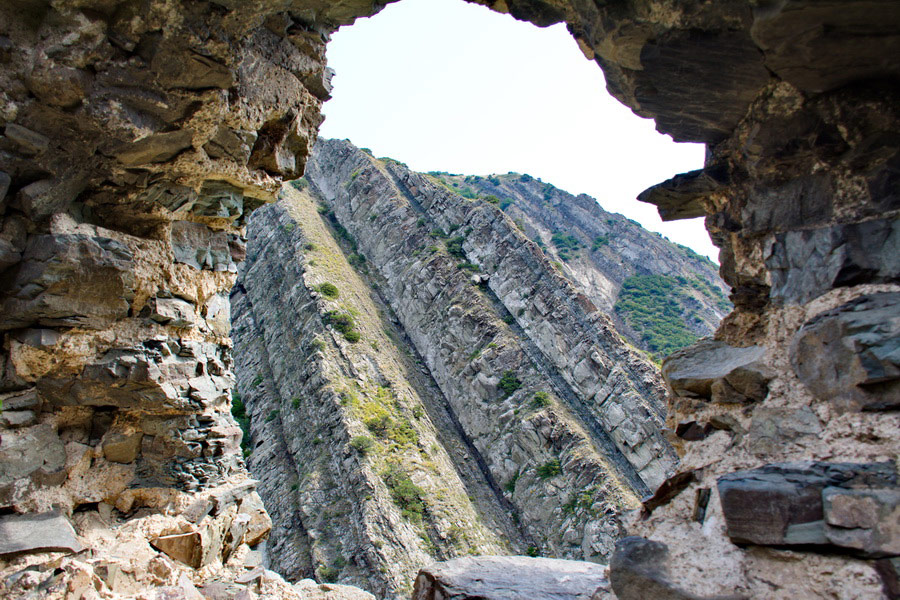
(599, 242)
(352, 336)
(532, 551)
(295, 402)
(318, 344)
(271, 416)
(467, 266)
(509, 383)
(511, 484)
(566, 245)
(549, 469)
(239, 412)
(541, 400)
(362, 444)
(491, 198)
(329, 290)
(257, 380)
(342, 322)
(405, 494)
(309, 246)
(327, 574)
(454, 247)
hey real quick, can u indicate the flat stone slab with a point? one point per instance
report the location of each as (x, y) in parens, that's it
(509, 578)
(43, 532)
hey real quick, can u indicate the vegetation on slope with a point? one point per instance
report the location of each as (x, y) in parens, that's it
(650, 305)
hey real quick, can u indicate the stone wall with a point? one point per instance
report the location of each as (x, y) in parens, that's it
(137, 136)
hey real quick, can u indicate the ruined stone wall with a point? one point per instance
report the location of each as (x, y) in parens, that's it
(136, 136)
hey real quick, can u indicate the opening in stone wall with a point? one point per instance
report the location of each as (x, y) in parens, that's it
(483, 344)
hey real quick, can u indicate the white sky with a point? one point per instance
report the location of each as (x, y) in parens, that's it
(444, 85)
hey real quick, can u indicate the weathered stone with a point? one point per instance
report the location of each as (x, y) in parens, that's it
(668, 490)
(681, 197)
(639, 571)
(281, 147)
(227, 142)
(509, 578)
(58, 85)
(831, 34)
(197, 245)
(219, 199)
(310, 590)
(773, 428)
(714, 371)
(172, 311)
(41, 288)
(808, 263)
(157, 147)
(850, 356)
(189, 70)
(122, 447)
(28, 141)
(30, 453)
(45, 532)
(846, 505)
(186, 548)
(866, 520)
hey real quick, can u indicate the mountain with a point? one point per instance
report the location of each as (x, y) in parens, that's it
(419, 380)
(661, 296)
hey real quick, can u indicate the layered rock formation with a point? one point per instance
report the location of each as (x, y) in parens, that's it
(679, 295)
(122, 119)
(559, 428)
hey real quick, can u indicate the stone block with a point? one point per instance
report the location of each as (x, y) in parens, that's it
(805, 264)
(714, 371)
(186, 548)
(41, 290)
(846, 506)
(44, 532)
(509, 578)
(850, 356)
(154, 148)
(122, 447)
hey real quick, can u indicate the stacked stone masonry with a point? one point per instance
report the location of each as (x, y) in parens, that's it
(138, 136)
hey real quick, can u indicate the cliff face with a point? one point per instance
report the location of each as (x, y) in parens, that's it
(138, 136)
(530, 405)
(671, 295)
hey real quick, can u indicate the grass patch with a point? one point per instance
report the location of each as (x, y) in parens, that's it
(329, 290)
(509, 383)
(405, 494)
(549, 469)
(540, 400)
(362, 444)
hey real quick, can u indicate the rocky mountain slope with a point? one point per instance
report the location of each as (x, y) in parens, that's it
(421, 381)
(661, 296)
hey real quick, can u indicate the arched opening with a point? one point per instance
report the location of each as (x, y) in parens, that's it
(136, 139)
(501, 288)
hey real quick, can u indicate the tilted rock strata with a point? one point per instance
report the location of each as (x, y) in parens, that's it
(614, 393)
(310, 394)
(610, 248)
(796, 101)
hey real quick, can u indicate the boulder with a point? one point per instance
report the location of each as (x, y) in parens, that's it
(850, 356)
(639, 570)
(186, 548)
(44, 532)
(714, 371)
(157, 147)
(310, 590)
(807, 263)
(509, 578)
(846, 506)
(41, 289)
